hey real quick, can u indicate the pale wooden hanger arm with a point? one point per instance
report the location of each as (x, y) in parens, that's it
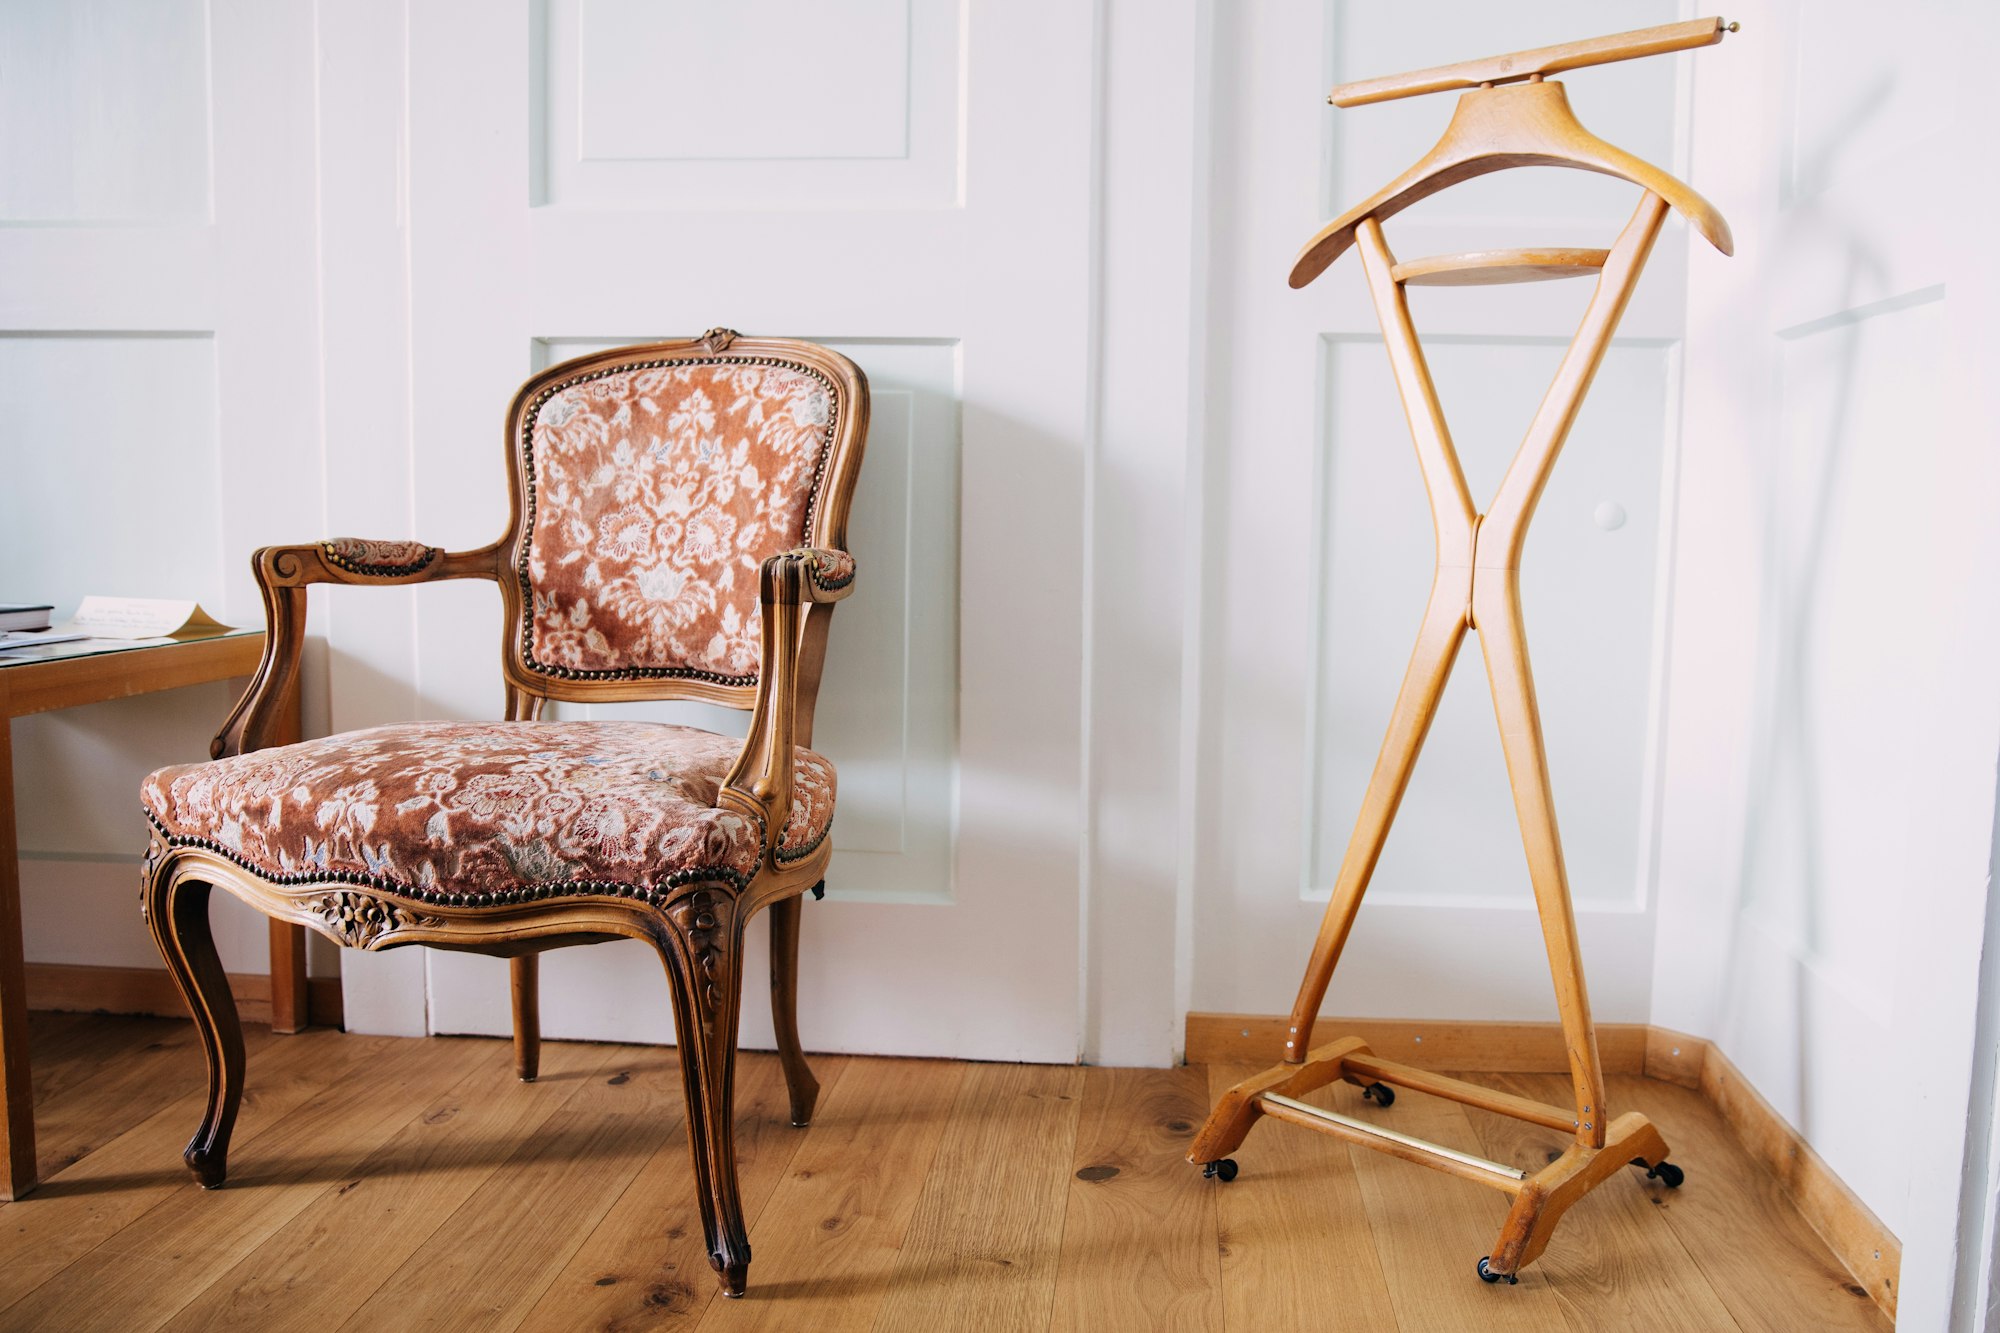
(1543, 60)
(1493, 129)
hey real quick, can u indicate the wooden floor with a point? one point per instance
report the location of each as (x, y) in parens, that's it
(381, 1183)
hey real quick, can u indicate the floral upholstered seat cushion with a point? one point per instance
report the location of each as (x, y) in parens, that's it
(472, 812)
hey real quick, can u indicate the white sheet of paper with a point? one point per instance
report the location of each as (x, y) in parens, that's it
(140, 618)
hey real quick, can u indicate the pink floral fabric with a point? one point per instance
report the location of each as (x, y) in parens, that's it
(828, 568)
(455, 810)
(658, 493)
(363, 556)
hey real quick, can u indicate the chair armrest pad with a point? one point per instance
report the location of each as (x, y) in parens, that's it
(829, 572)
(377, 559)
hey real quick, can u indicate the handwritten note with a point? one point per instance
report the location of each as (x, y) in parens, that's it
(141, 618)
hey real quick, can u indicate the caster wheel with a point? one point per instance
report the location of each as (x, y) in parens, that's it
(1486, 1274)
(1666, 1173)
(1379, 1093)
(1223, 1170)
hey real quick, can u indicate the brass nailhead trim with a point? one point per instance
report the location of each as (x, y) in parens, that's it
(527, 447)
(656, 895)
(379, 571)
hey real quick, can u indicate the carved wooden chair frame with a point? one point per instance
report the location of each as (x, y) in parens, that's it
(697, 925)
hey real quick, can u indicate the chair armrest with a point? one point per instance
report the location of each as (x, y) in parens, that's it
(760, 783)
(829, 572)
(283, 573)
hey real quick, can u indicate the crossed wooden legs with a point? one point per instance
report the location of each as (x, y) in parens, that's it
(700, 940)
(1476, 586)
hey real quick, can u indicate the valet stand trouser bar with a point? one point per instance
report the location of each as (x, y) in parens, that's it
(1476, 586)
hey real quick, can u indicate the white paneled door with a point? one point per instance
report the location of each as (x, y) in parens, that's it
(906, 180)
(1320, 542)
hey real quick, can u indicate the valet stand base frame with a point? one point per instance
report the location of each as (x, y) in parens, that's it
(1476, 586)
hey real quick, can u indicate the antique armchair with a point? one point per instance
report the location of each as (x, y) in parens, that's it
(678, 531)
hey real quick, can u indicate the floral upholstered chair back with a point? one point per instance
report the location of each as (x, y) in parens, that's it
(651, 484)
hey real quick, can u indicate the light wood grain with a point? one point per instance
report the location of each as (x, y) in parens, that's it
(1493, 268)
(140, 1168)
(645, 1265)
(1475, 586)
(530, 1215)
(197, 1235)
(834, 1227)
(1311, 1234)
(1139, 1231)
(444, 1153)
(1473, 1045)
(1497, 129)
(1293, 1231)
(1542, 60)
(1430, 1230)
(982, 1249)
(1619, 1248)
(1761, 1257)
(76, 1118)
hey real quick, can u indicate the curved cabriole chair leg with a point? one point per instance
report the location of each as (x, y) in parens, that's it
(702, 946)
(799, 1080)
(526, 972)
(177, 913)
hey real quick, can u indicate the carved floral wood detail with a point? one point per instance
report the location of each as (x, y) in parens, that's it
(703, 920)
(360, 919)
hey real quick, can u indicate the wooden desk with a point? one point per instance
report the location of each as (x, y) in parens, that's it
(36, 680)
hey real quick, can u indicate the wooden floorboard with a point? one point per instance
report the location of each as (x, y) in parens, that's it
(1615, 1245)
(1293, 1229)
(834, 1227)
(981, 1252)
(1139, 1228)
(378, 1182)
(645, 1265)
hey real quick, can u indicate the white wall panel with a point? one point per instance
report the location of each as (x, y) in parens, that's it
(755, 79)
(1587, 585)
(1852, 621)
(1827, 816)
(1857, 106)
(765, 104)
(112, 439)
(104, 111)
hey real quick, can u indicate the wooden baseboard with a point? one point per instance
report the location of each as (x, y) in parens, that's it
(144, 990)
(1475, 1048)
(1851, 1230)
(1856, 1236)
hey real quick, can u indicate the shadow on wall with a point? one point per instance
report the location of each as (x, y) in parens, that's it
(1782, 874)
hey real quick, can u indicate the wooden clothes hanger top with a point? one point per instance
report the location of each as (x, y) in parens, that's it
(1528, 124)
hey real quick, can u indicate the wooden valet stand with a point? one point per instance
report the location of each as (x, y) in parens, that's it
(1512, 117)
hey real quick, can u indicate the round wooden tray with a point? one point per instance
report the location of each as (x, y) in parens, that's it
(1485, 268)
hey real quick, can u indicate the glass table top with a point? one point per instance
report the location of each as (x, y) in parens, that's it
(56, 652)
